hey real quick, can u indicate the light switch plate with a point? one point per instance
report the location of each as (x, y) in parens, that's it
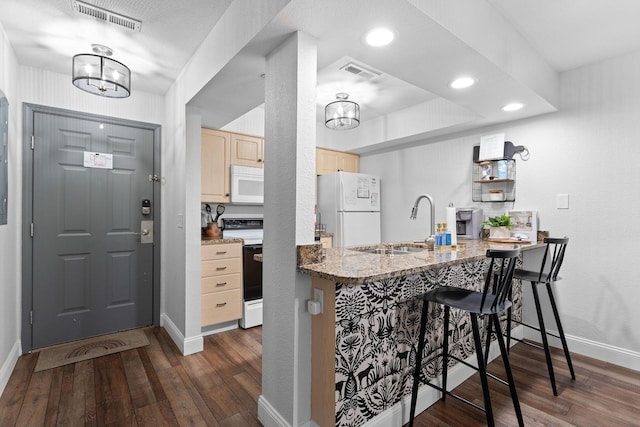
(562, 201)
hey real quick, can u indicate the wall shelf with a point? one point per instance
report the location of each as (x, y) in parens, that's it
(487, 187)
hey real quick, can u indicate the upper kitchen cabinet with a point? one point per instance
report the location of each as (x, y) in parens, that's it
(330, 161)
(247, 150)
(216, 161)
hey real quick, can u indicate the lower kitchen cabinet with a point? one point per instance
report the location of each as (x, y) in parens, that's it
(221, 283)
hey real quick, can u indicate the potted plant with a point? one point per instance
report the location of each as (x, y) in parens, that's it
(499, 226)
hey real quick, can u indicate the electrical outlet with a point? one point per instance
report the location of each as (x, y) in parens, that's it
(318, 295)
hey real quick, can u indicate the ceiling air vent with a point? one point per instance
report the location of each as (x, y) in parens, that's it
(105, 15)
(361, 71)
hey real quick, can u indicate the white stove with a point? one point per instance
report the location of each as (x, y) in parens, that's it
(250, 236)
(250, 230)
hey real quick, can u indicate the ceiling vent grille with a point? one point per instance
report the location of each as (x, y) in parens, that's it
(360, 71)
(107, 16)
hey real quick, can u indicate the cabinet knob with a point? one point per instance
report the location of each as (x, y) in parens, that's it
(227, 195)
(259, 160)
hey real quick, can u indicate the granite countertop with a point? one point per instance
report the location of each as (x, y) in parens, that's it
(210, 241)
(349, 265)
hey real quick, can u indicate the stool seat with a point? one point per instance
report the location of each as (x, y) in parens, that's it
(467, 300)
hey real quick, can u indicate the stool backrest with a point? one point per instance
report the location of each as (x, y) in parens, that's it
(500, 274)
(553, 257)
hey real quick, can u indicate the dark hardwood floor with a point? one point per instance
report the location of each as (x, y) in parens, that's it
(157, 386)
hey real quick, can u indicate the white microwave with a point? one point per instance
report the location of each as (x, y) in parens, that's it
(247, 185)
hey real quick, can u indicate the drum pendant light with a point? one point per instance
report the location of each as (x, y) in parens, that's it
(342, 114)
(100, 75)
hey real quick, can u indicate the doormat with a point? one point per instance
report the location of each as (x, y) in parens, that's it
(77, 351)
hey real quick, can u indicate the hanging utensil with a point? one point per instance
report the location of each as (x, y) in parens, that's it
(207, 207)
(219, 211)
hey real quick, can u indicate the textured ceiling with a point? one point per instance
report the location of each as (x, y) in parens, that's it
(416, 68)
(47, 33)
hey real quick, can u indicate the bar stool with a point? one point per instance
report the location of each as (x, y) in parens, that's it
(548, 274)
(491, 301)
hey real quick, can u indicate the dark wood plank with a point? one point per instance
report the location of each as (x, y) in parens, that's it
(53, 402)
(69, 413)
(155, 415)
(16, 388)
(152, 375)
(197, 399)
(140, 388)
(36, 399)
(183, 406)
(218, 397)
(113, 400)
(84, 392)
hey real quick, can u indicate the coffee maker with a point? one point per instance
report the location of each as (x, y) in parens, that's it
(468, 223)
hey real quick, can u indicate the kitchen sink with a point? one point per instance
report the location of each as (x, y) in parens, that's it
(396, 250)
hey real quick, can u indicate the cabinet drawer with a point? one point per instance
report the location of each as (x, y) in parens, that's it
(221, 266)
(224, 282)
(218, 307)
(232, 250)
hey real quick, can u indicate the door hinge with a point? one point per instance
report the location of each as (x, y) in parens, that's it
(31, 229)
(154, 178)
(33, 142)
(31, 317)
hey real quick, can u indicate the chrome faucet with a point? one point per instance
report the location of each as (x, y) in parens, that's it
(414, 211)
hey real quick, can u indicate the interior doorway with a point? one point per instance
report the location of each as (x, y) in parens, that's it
(91, 211)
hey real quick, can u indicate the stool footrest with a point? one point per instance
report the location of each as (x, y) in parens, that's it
(455, 396)
(469, 365)
(529, 343)
(534, 328)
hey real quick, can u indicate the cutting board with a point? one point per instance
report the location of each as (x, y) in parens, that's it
(508, 240)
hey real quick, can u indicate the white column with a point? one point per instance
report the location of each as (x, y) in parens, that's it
(290, 133)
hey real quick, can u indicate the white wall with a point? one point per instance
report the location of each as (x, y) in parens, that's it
(9, 234)
(589, 149)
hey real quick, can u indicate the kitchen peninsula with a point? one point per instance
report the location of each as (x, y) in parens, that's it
(364, 342)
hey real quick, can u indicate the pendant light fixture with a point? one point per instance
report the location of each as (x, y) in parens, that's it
(342, 114)
(100, 75)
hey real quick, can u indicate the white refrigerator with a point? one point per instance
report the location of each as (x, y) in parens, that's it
(349, 205)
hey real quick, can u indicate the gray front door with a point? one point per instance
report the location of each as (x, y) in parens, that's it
(91, 274)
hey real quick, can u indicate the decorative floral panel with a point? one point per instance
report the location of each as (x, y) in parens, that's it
(377, 327)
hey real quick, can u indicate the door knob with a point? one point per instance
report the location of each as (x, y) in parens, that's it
(145, 232)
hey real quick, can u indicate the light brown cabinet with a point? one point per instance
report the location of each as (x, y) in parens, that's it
(247, 150)
(330, 161)
(215, 161)
(221, 283)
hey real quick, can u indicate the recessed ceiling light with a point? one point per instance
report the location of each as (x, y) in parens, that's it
(462, 83)
(514, 106)
(379, 37)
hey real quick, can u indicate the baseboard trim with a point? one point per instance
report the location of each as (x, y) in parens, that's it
(268, 415)
(9, 364)
(604, 352)
(188, 345)
(222, 327)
